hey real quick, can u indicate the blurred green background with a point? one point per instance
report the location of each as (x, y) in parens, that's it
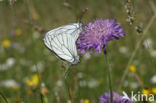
(23, 24)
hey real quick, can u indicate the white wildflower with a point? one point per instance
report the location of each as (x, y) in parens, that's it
(80, 75)
(19, 47)
(148, 43)
(39, 66)
(36, 35)
(86, 56)
(10, 62)
(153, 53)
(93, 83)
(83, 83)
(9, 84)
(134, 85)
(59, 83)
(123, 50)
(153, 79)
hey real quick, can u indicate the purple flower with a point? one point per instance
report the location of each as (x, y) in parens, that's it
(117, 98)
(96, 34)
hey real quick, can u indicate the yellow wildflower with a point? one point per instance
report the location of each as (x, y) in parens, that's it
(86, 101)
(18, 31)
(18, 100)
(146, 91)
(35, 16)
(132, 68)
(29, 91)
(6, 43)
(153, 91)
(28, 82)
(33, 82)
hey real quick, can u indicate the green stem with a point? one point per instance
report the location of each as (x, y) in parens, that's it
(138, 44)
(68, 89)
(3, 97)
(33, 44)
(109, 76)
(66, 81)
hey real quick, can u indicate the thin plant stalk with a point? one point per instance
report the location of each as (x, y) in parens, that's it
(34, 50)
(65, 78)
(3, 97)
(68, 89)
(109, 76)
(31, 32)
(139, 44)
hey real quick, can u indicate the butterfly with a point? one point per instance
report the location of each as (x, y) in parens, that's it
(62, 42)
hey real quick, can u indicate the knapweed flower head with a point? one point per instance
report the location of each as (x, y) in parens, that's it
(117, 98)
(96, 34)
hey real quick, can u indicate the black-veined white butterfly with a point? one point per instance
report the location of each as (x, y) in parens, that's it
(61, 41)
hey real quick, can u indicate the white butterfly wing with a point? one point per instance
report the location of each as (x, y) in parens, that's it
(62, 42)
(72, 29)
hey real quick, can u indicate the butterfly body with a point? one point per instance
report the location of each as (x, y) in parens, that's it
(61, 41)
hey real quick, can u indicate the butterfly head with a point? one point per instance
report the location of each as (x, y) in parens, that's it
(76, 60)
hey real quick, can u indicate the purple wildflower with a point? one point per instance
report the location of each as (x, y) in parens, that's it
(96, 34)
(117, 98)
